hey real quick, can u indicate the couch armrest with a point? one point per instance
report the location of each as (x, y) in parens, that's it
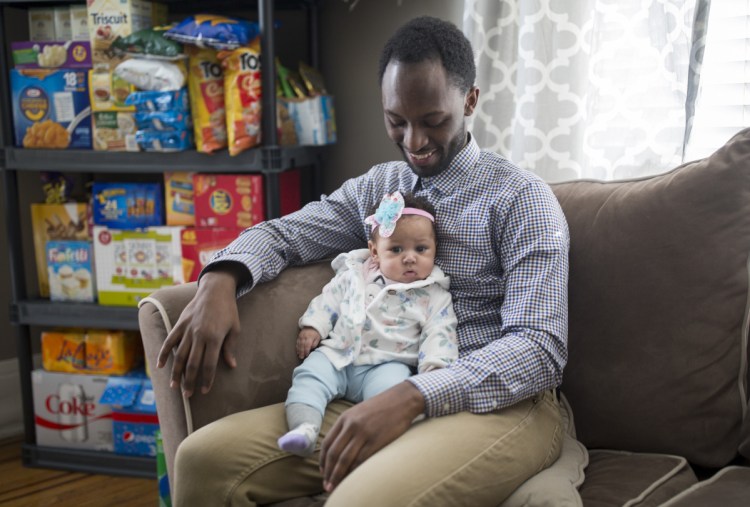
(265, 351)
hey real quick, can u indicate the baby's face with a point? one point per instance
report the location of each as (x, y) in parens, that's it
(408, 254)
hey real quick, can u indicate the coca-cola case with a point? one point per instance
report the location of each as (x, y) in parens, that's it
(68, 413)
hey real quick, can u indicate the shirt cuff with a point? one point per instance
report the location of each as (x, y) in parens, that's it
(442, 390)
(236, 264)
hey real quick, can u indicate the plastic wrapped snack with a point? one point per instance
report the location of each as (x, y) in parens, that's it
(242, 96)
(152, 74)
(216, 32)
(206, 85)
(163, 120)
(149, 43)
(156, 140)
(159, 101)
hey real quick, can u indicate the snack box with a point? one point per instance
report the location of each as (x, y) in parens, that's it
(42, 23)
(131, 264)
(36, 54)
(200, 244)
(109, 19)
(108, 91)
(63, 29)
(232, 201)
(314, 119)
(178, 196)
(114, 131)
(79, 23)
(64, 350)
(128, 205)
(134, 419)
(162, 477)
(56, 222)
(70, 269)
(51, 108)
(67, 411)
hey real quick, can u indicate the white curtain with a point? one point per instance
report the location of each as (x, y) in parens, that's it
(585, 89)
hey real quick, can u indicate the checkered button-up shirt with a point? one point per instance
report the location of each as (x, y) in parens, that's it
(502, 240)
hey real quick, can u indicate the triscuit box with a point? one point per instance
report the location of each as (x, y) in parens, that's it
(51, 108)
(178, 196)
(56, 222)
(232, 201)
(114, 131)
(131, 264)
(134, 419)
(108, 91)
(47, 55)
(200, 244)
(112, 352)
(67, 411)
(70, 270)
(64, 350)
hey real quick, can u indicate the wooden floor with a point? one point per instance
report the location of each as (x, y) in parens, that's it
(26, 487)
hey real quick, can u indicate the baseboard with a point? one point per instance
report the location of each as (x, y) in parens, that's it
(11, 412)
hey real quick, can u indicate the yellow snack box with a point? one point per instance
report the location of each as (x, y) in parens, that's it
(179, 198)
(112, 352)
(64, 351)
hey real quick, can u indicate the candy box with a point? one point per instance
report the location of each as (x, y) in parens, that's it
(67, 411)
(51, 108)
(128, 205)
(178, 194)
(134, 419)
(70, 269)
(232, 201)
(55, 222)
(200, 244)
(131, 264)
(37, 54)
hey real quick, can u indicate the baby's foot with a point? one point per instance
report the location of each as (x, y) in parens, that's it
(300, 441)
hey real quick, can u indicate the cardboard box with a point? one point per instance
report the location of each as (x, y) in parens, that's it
(70, 270)
(162, 477)
(108, 91)
(64, 350)
(112, 352)
(56, 222)
(134, 419)
(79, 24)
(42, 23)
(68, 412)
(131, 264)
(51, 55)
(63, 30)
(314, 119)
(200, 244)
(231, 201)
(51, 108)
(114, 131)
(128, 205)
(178, 194)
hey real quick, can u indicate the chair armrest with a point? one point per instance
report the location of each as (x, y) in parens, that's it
(266, 351)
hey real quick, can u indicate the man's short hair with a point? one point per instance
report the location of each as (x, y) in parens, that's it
(427, 38)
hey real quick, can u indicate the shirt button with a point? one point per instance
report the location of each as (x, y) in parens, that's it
(392, 292)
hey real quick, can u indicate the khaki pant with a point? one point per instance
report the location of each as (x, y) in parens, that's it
(461, 459)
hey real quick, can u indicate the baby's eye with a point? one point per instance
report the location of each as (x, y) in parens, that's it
(396, 249)
(422, 249)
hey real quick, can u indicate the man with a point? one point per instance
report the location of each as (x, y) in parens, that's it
(491, 417)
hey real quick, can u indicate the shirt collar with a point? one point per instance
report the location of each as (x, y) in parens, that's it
(459, 168)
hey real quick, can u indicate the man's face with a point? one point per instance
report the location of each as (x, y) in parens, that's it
(425, 113)
(408, 254)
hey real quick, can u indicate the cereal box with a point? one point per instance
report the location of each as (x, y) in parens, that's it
(51, 108)
(67, 411)
(42, 23)
(131, 264)
(178, 194)
(128, 205)
(36, 54)
(114, 131)
(70, 269)
(200, 244)
(232, 201)
(64, 350)
(56, 222)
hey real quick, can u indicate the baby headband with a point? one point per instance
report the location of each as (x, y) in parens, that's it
(389, 210)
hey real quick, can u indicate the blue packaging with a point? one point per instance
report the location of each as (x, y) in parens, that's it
(145, 101)
(163, 120)
(134, 419)
(128, 205)
(51, 108)
(164, 140)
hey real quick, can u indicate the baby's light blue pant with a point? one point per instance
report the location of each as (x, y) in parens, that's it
(316, 381)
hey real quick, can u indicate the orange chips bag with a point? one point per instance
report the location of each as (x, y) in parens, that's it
(206, 85)
(242, 91)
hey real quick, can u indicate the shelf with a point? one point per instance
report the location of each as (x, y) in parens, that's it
(263, 159)
(42, 312)
(95, 462)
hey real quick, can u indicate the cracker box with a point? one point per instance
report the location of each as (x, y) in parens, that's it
(51, 55)
(51, 108)
(70, 269)
(64, 350)
(128, 205)
(131, 264)
(56, 222)
(134, 419)
(42, 23)
(231, 201)
(109, 19)
(108, 91)
(67, 411)
(114, 131)
(178, 194)
(200, 244)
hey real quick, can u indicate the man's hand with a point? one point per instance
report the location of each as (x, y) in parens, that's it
(307, 340)
(366, 428)
(209, 324)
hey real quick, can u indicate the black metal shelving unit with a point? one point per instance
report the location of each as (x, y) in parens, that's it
(270, 159)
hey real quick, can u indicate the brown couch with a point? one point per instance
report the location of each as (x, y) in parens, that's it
(657, 377)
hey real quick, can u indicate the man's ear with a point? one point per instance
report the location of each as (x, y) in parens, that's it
(471, 101)
(373, 249)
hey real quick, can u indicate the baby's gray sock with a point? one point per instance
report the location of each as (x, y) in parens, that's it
(304, 424)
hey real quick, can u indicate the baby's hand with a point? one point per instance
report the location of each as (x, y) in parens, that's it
(307, 340)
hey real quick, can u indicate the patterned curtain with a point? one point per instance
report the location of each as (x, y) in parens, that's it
(586, 89)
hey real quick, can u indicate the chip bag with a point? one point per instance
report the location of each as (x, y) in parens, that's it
(206, 86)
(242, 93)
(216, 32)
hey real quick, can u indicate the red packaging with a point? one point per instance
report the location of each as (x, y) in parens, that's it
(199, 245)
(232, 201)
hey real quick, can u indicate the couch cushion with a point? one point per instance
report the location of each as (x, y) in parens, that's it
(618, 478)
(658, 308)
(730, 487)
